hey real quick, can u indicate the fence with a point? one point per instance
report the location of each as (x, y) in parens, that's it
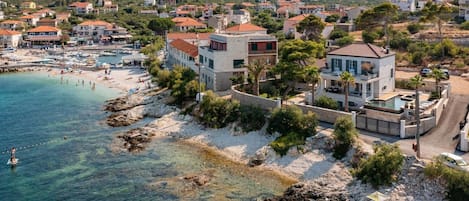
(377, 125)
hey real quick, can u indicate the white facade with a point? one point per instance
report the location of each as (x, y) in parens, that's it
(10, 40)
(405, 5)
(239, 16)
(149, 3)
(227, 56)
(464, 9)
(374, 75)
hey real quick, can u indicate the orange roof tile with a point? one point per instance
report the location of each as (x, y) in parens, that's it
(4, 32)
(245, 27)
(12, 22)
(79, 4)
(186, 36)
(186, 21)
(28, 17)
(44, 29)
(96, 23)
(298, 17)
(186, 47)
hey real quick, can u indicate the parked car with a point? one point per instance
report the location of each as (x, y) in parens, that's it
(425, 72)
(446, 72)
(453, 161)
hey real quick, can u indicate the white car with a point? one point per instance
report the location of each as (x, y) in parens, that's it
(453, 161)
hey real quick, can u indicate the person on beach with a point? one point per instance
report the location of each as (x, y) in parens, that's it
(105, 71)
(109, 72)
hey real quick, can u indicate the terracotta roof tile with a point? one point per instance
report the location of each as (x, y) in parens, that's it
(79, 4)
(186, 47)
(186, 21)
(361, 50)
(4, 32)
(12, 22)
(188, 36)
(298, 18)
(245, 28)
(28, 17)
(44, 29)
(96, 23)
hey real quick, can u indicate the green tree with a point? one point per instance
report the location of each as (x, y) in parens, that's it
(251, 118)
(291, 119)
(345, 135)
(337, 33)
(437, 14)
(332, 18)
(218, 112)
(160, 25)
(346, 78)
(438, 75)
(255, 70)
(311, 27)
(416, 82)
(382, 167)
(369, 36)
(312, 76)
(445, 48)
(414, 28)
(265, 19)
(294, 56)
(344, 41)
(381, 15)
(465, 25)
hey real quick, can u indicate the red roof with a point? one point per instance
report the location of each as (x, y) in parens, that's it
(298, 18)
(186, 36)
(79, 4)
(44, 29)
(186, 21)
(4, 32)
(186, 47)
(245, 28)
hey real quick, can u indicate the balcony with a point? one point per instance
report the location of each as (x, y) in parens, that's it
(368, 76)
(262, 51)
(340, 90)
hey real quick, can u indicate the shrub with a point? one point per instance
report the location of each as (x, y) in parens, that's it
(251, 118)
(337, 33)
(457, 181)
(164, 76)
(369, 36)
(414, 28)
(465, 25)
(344, 136)
(344, 41)
(218, 112)
(282, 144)
(417, 58)
(403, 84)
(449, 48)
(382, 167)
(292, 119)
(400, 40)
(326, 102)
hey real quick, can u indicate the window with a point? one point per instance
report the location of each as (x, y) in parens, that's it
(269, 46)
(201, 59)
(254, 47)
(336, 64)
(210, 63)
(392, 72)
(238, 63)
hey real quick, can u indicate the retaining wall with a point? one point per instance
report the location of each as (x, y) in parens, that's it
(249, 99)
(323, 114)
(425, 125)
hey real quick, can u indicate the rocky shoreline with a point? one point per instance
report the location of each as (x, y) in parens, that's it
(322, 177)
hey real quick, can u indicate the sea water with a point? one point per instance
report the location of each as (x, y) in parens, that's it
(64, 151)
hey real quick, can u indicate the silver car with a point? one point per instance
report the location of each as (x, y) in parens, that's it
(453, 161)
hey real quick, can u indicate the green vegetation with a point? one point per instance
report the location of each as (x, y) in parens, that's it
(457, 181)
(326, 102)
(332, 18)
(414, 28)
(345, 135)
(312, 27)
(347, 79)
(465, 25)
(265, 19)
(382, 167)
(294, 127)
(379, 16)
(341, 37)
(252, 118)
(217, 112)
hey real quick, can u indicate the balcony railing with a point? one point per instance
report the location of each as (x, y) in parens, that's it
(368, 76)
(262, 51)
(340, 90)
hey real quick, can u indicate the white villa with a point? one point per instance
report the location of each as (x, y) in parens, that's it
(372, 66)
(228, 54)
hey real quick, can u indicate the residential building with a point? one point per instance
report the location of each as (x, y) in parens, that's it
(405, 5)
(3, 4)
(266, 6)
(30, 20)
(28, 5)
(13, 25)
(149, 2)
(246, 29)
(62, 17)
(44, 35)
(9, 38)
(108, 7)
(183, 53)
(184, 24)
(228, 54)
(2, 15)
(198, 39)
(241, 16)
(100, 31)
(464, 9)
(149, 12)
(353, 12)
(81, 8)
(290, 24)
(310, 9)
(218, 22)
(186, 10)
(47, 22)
(373, 68)
(45, 12)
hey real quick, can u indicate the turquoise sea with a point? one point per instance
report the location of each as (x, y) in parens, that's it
(64, 152)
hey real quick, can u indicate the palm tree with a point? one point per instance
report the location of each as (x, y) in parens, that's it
(417, 82)
(346, 78)
(312, 76)
(255, 69)
(437, 74)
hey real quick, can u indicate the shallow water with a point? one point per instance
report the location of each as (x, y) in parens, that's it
(37, 111)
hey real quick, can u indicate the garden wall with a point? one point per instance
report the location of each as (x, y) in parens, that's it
(249, 99)
(323, 114)
(425, 125)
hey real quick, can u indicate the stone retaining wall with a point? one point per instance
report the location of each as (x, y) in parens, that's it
(249, 99)
(323, 114)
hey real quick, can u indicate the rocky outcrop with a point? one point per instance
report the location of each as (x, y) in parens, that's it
(135, 140)
(313, 191)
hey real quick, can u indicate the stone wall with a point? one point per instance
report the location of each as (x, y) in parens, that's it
(323, 114)
(249, 99)
(425, 125)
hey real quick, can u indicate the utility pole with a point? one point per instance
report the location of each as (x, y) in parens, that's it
(417, 116)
